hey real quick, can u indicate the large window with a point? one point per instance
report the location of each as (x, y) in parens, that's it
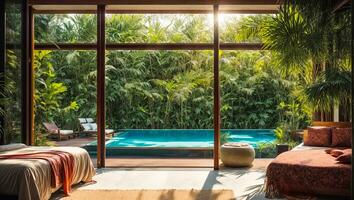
(65, 90)
(65, 80)
(11, 76)
(251, 90)
(159, 89)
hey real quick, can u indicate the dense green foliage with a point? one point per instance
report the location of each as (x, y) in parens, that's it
(10, 82)
(158, 89)
(312, 41)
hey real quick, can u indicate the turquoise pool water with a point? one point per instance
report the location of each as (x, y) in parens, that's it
(185, 138)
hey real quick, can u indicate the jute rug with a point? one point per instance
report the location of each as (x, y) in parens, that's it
(151, 195)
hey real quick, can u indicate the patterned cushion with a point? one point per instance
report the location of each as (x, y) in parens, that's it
(342, 137)
(346, 157)
(318, 136)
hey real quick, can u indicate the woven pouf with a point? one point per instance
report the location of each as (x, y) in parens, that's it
(236, 154)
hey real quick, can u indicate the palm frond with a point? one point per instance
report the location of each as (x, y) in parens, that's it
(332, 86)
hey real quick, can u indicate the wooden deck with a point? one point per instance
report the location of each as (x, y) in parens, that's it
(131, 162)
(76, 142)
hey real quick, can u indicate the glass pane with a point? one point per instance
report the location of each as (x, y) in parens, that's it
(252, 90)
(12, 87)
(159, 28)
(236, 28)
(158, 101)
(70, 28)
(65, 90)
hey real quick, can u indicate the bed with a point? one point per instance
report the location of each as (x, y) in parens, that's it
(307, 170)
(31, 178)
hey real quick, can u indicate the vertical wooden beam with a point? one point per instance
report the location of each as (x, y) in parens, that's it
(2, 64)
(31, 76)
(24, 72)
(27, 110)
(101, 48)
(352, 20)
(217, 118)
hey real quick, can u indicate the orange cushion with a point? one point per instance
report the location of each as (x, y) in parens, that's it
(342, 137)
(318, 136)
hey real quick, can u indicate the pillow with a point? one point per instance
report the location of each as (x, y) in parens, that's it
(334, 152)
(342, 137)
(89, 120)
(93, 126)
(86, 127)
(318, 136)
(82, 120)
(346, 157)
(10, 147)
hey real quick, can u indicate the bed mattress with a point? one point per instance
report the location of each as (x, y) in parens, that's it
(31, 178)
(307, 172)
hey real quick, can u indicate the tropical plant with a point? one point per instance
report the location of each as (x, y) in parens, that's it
(47, 95)
(162, 89)
(224, 137)
(311, 35)
(332, 87)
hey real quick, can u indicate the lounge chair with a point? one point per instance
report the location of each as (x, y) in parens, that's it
(88, 126)
(53, 130)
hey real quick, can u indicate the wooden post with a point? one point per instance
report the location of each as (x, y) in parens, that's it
(352, 54)
(2, 64)
(216, 89)
(24, 72)
(27, 108)
(101, 48)
(31, 77)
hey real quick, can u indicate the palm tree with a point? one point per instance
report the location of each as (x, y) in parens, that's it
(309, 36)
(332, 87)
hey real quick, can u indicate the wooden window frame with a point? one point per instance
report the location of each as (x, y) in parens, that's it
(100, 47)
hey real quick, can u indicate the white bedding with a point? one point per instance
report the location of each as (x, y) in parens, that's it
(30, 179)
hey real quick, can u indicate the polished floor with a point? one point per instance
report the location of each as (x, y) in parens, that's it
(246, 183)
(129, 173)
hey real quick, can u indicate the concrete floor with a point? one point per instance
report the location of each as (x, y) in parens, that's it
(246, 183)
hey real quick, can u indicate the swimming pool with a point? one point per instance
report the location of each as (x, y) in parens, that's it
(176, 142)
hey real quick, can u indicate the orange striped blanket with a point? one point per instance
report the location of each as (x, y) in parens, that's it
(61, 163)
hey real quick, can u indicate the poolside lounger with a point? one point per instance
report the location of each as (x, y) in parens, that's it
(88, 126)
(53, 130)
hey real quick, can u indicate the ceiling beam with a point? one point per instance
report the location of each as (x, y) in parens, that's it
(155, 12)
(153, 2)
(150, 46)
